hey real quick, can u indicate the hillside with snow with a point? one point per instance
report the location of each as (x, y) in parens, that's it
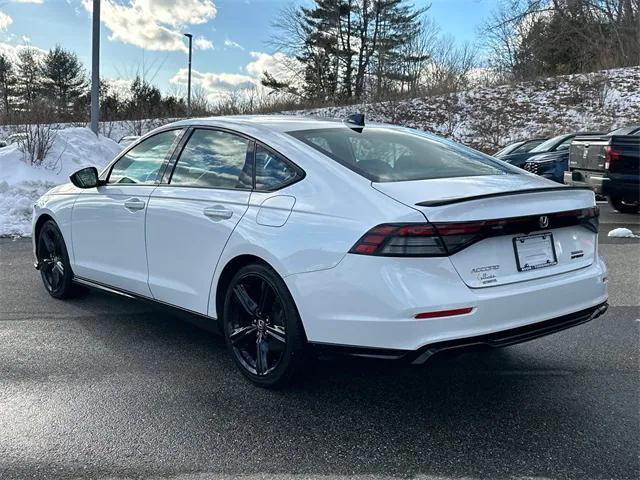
(488, 118)
(22, 184)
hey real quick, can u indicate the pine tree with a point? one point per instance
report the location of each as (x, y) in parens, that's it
(63, 79)
(322, 51)
(28, 78)
(7, 83)
(399, 26)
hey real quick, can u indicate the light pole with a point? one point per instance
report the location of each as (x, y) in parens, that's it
(190, 37)
(95, 68)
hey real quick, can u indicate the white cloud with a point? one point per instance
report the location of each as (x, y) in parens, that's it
(217, 85)
(5, 21)
(153, 24)
(11, 51)
(232, 44)
(278, 65)
(202, 43)
(215, 82)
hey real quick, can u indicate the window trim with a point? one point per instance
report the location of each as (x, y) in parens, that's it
(106, 173)
(253, 143)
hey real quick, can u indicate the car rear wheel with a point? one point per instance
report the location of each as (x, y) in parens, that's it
(262, 327)
(53, 261)
(623, 206)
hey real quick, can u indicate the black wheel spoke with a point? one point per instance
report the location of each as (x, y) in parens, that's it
(265, 295)
(262, 354)
(59, 267)
(55, 273)
(245, 300)
(277, 333)
(242, 333)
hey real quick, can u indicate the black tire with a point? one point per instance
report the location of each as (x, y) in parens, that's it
(624, 207)
(262, 327)
(53, 260)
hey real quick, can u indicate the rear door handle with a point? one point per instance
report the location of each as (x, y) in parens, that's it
(218, 212)
(134, 204)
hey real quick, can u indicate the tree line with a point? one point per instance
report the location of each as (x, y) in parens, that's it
(54, 87)
(527, 39)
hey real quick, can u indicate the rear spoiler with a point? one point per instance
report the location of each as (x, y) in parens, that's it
(450, 201)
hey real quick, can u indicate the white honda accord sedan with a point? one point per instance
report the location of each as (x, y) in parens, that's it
(295, 235)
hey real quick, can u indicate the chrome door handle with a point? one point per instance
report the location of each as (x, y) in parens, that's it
(134, 204)
(218, 212)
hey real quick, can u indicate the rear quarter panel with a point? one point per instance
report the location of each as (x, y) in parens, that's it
(333, 208)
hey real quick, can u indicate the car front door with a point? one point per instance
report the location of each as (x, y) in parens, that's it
(108, 222)
(192, 214)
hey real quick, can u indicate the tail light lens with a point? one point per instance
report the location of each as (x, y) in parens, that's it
(610, 157)
(401, 240)
(443, 239)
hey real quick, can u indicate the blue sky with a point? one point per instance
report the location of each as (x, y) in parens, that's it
(232, 34)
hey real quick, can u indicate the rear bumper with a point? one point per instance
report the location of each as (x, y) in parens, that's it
(580, 179)
(500, 339)
(372, 302)
(614, 186)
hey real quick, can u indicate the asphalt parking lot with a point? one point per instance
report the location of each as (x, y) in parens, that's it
(104, 386)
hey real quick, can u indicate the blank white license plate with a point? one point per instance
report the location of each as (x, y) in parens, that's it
(534, 251)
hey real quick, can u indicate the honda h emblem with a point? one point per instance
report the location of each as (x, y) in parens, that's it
(544, 221)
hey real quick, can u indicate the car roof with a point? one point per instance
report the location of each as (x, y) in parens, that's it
(265, 123)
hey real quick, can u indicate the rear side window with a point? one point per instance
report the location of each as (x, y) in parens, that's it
(142, 163)
(388, 155)
(271, 170)
(215, 159)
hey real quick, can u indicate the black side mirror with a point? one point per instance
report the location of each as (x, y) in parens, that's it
(86, 178)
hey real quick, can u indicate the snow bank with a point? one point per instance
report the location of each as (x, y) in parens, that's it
(622, 233)
(22, 184)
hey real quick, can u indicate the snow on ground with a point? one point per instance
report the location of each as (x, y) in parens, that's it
(22, 184)
(622, 233)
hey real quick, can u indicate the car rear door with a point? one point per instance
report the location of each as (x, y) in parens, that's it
(193, 212)
(108, 222)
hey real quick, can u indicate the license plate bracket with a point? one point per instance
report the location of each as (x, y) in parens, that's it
(534, 251)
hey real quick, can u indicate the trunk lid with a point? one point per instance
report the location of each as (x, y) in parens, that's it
(493, 260)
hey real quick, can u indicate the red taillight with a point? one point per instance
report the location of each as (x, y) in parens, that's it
(447, 238)
(401, 240)
(444, 313)
(610, 157)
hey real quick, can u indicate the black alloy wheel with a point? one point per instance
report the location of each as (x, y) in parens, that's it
(262, 328)
(53, 261)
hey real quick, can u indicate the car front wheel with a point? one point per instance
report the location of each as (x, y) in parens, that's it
(53, 261)
(262, 327)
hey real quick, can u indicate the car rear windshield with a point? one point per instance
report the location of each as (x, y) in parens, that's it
(391, 155)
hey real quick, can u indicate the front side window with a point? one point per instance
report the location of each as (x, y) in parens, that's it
(528, 146)
(141, 165)
(214, 159)
(388, 155)
(271, 170)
